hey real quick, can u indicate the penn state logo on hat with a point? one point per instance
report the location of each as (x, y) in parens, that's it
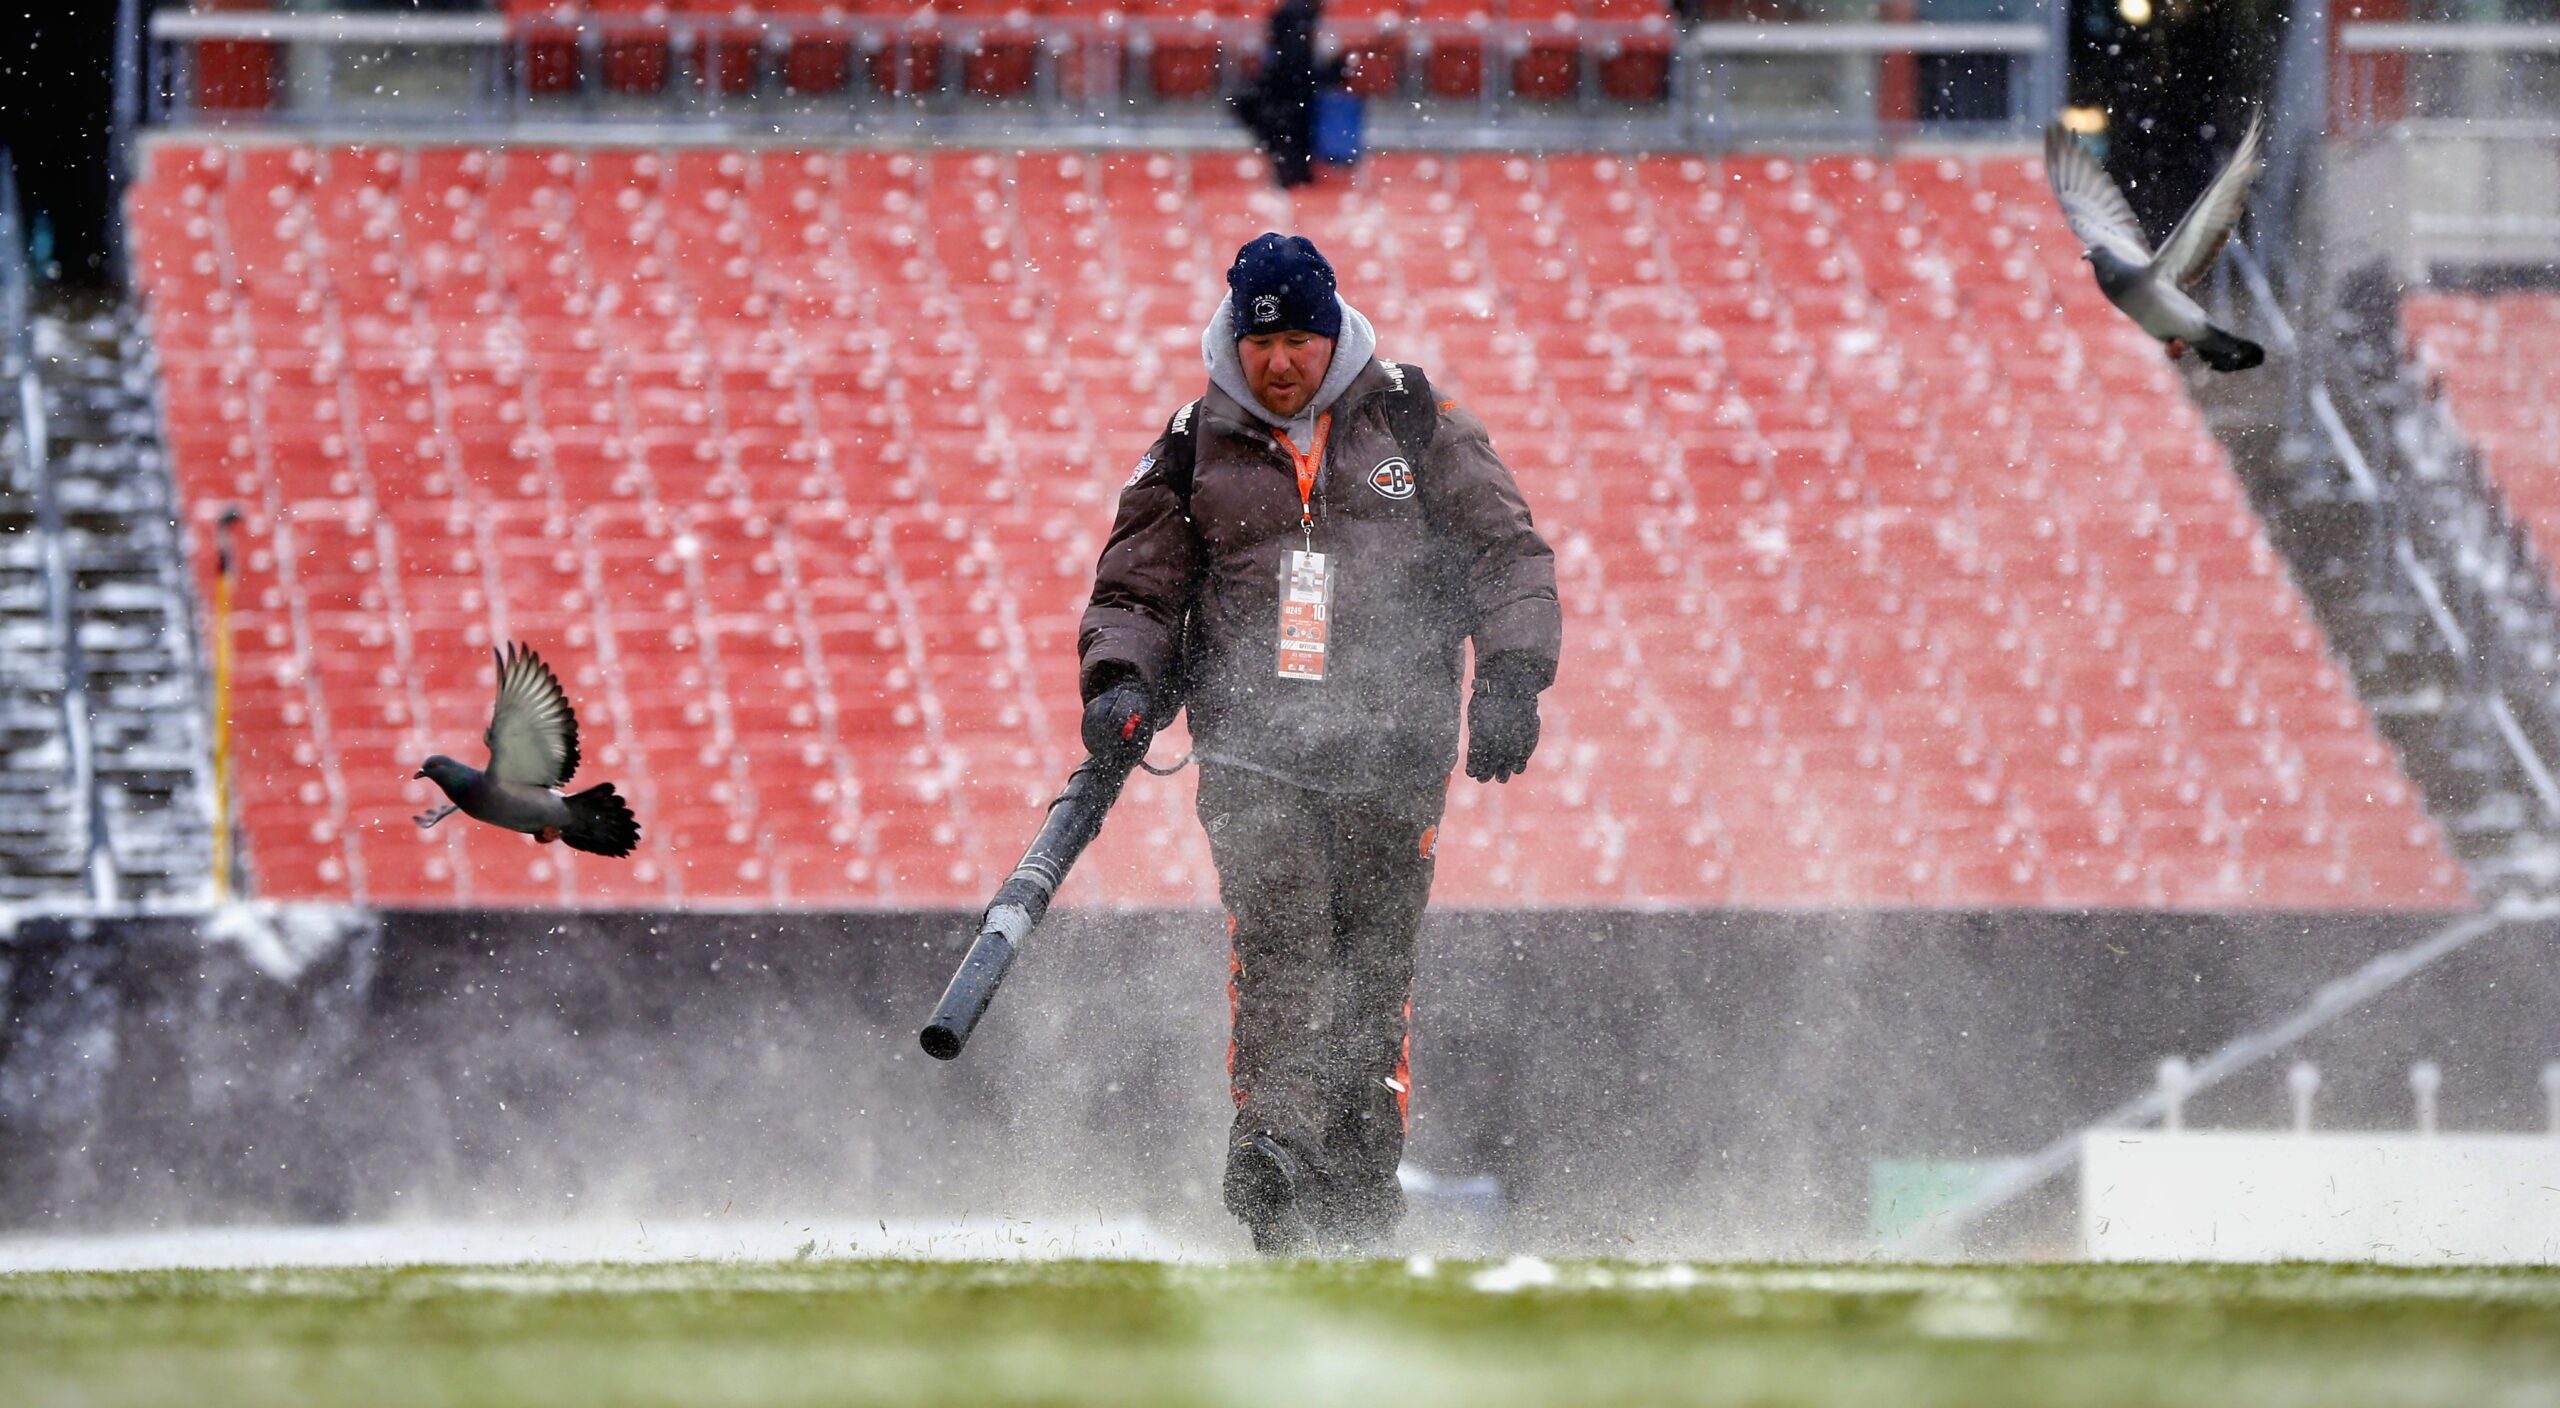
(1393, 478)
(1266, 309)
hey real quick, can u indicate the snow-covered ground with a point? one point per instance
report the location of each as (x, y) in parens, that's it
(631, 1240)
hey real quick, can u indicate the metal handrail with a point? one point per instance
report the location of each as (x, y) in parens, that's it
(335, 28)
(1915, 38)
(1106, 97)
(2446, 37)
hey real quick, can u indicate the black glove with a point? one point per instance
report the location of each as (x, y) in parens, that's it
(1502, 731)
(1118, 722)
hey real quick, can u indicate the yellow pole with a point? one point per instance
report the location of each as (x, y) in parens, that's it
(223, 573)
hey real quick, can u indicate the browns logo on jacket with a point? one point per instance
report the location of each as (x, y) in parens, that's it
(1426, 557)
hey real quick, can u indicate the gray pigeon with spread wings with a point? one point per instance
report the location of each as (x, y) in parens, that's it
(533, 749)
(2152, 289)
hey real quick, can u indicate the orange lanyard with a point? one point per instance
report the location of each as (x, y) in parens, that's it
(1309, 465)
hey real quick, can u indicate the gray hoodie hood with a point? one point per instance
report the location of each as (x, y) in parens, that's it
(1351, 353)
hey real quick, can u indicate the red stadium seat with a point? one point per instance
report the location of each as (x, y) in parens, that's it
(1184, 43)
(1375, 44)
(728, 57)
(909, 58)
(1090, 59)
(817, 46)
(999, 58)
(545, 34)
(234, 74)
(1546, 54)
(1635, 45)
(635, 44)
(1453, 46)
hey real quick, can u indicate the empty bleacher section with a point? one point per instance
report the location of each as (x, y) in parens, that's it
(796, 463)
(103, 790)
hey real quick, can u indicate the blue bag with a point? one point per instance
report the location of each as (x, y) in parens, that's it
(1336, 140)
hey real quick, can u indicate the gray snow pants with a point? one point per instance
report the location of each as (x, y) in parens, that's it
(1324, 894)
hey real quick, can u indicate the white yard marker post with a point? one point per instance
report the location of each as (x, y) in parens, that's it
(2425, 1079)
(2303, 1083)
(2175, 1076)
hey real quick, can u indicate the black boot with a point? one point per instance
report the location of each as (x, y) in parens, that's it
(1263, 1182)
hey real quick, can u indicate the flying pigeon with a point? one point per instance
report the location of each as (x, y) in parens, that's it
(533, 748)
(2151, 289)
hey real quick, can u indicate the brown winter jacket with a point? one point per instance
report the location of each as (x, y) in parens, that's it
(1188, 598)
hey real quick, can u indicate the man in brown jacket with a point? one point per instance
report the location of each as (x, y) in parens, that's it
(1302, 559)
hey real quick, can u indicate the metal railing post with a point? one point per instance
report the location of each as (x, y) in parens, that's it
(124, 115)
(226, 573)
(2055, 60)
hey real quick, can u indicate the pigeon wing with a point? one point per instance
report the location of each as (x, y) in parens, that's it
(533, 735)
(2091, 204)
(2192, 247)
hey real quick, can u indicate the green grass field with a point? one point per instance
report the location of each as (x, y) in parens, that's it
(1384, 1332)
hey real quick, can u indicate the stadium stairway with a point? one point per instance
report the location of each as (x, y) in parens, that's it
(42, 850)
(2457, 394)
(130, 772)
(2418, 570)
(797, 461)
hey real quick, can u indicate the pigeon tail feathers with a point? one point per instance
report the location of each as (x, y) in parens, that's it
(599, 823)
(2225, 352)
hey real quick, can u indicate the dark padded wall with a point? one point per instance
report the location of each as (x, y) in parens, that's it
(1701, 1083)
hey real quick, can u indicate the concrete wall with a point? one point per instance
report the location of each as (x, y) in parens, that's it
(2468, 200)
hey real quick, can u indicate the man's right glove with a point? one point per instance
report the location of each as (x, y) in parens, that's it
(1119, 723)
(1502, 731)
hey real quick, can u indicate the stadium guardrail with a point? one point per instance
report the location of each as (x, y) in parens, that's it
(1626, 84)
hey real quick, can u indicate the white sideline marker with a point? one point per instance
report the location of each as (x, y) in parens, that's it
(2413, 1198)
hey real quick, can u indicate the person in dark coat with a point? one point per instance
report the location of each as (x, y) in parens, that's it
(1325, 736)
(1280, 107)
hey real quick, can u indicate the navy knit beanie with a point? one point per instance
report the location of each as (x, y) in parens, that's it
(1281, 282)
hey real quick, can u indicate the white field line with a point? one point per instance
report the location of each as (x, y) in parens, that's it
(628, 1241)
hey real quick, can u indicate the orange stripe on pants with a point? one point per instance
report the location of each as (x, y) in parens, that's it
(1235, 975)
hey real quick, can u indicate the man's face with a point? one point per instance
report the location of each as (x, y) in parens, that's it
(1285, 368)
